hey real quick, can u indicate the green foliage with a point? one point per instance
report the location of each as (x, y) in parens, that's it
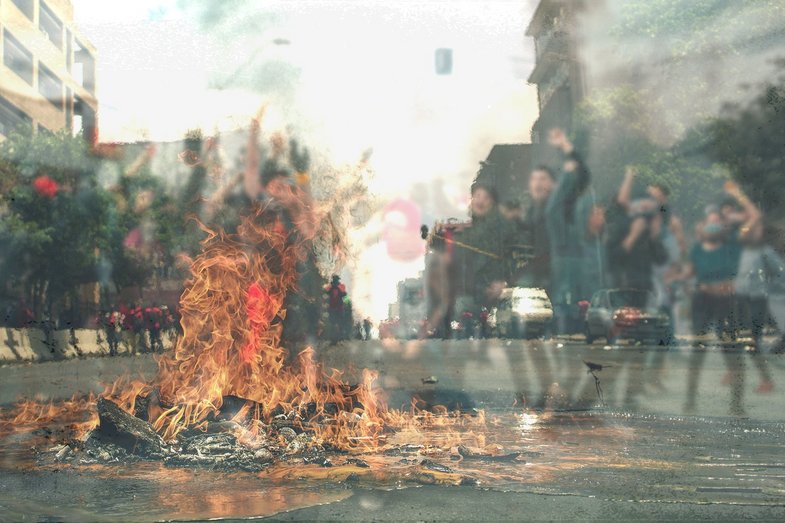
(748, 139)
(613, 127)
(49, 241)
(687, 27)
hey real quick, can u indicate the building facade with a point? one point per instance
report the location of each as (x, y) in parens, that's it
(507, 169)
(557, 72)
(47, 72)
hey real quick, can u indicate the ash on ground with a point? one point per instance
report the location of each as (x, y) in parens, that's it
(124, 438)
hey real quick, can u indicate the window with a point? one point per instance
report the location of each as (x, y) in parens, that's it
(69, 50)
(69, 108)
(84, 67)
(11, 117)
(50, 86)
(51, 25)
(17, 58)
(26, 6)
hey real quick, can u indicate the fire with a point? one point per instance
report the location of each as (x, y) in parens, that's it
(232, 312)
(78, 414)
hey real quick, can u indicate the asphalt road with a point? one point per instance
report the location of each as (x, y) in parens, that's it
(714, 382)
(435, 504)
(670, 434)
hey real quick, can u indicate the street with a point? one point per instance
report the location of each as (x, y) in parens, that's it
(711, 451)
(494, 374)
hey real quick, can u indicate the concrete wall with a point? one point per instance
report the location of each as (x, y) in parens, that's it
(30, 345)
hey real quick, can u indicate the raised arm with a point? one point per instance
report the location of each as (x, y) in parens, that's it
(571, 183)
(624, 196)
(251, 182)
(751, 229)
(140, 160)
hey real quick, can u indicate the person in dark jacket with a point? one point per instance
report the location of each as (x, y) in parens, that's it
(336, 292)
(564, 230)
(537, 272)
(480, 264)
(635, 246)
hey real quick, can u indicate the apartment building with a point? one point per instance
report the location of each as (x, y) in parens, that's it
(47, 72)
(558, 72)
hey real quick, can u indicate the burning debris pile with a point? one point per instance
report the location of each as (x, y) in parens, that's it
(122, 437)
(228, 397)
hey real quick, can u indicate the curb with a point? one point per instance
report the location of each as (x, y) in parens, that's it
(31, 345)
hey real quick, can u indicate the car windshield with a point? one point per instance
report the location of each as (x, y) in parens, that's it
(638, 299)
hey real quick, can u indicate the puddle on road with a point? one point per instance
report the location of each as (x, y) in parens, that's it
(588, 453)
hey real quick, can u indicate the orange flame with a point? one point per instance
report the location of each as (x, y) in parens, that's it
(232, 311)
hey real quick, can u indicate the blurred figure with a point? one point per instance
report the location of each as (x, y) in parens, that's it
(751, 282)
(636, 246)
(479, 262)
(367, 329)
(714, 262)
(439, 284)
(336, 292)
(271, 185)
(671, 236)
(347, 324)
(154, 322)
(111, 322)
(592, 221)
(564, 233)
(538, 270)
(759, 278)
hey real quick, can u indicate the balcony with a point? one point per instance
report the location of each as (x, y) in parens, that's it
(549, 86)
(552, 48)
(552, 41)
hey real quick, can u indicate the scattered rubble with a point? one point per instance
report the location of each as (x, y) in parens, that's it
(120, 428)
(469, 453)
(126, 438)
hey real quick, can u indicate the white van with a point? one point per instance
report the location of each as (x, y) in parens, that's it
(521, 312)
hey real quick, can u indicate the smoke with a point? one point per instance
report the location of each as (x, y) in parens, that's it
(351, 76)
(346, 77)
(685, 58)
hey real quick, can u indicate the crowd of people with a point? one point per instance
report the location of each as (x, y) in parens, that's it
(139, 328)
(564, 239)
(152, 233)
(572, 244)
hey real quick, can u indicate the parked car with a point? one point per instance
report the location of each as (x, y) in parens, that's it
(522, 312)
(616, 314)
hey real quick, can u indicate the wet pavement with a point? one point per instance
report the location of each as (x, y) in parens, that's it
(681, 434)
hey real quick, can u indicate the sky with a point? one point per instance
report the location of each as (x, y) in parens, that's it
(345, 76)
(365, 71)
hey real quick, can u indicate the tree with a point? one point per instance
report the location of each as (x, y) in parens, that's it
(749, 139)
(54, 217)
(612, 127)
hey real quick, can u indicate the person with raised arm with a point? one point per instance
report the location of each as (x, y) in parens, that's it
(563, 231)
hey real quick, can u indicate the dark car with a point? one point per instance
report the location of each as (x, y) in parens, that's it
(614, 314)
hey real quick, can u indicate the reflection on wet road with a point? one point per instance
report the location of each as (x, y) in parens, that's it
(622, 457)
(676, 427)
